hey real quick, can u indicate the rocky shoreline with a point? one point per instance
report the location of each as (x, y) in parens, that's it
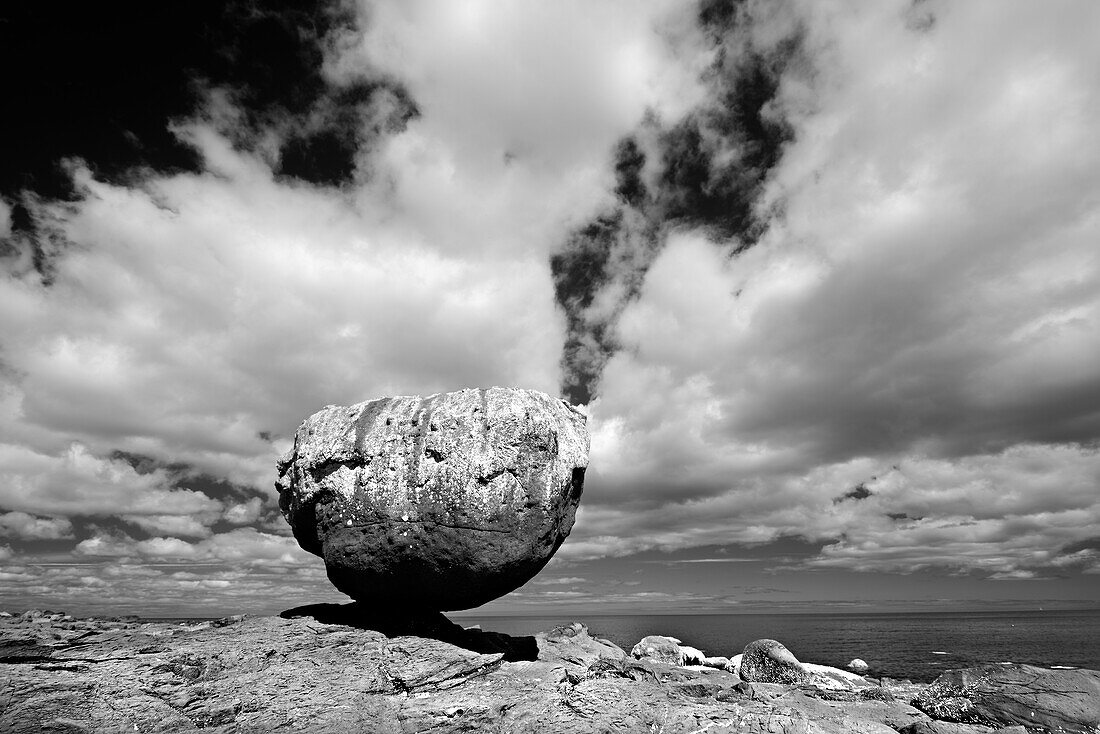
(332, 668)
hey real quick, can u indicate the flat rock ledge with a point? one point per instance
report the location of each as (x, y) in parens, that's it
(298, 673)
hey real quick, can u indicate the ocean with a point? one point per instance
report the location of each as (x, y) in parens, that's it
(914, 646)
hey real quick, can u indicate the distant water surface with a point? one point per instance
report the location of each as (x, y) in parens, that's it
(893, 644)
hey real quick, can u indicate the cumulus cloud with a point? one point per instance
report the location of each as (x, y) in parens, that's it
(176, 525)
(562, 580)
(244, 513)
(77, 483)
(919, 310)
(246, 546)
(31, 527)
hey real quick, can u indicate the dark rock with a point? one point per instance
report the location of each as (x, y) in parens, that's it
(768, 661)
(431, 625)
(436, 503)
(1009, 695)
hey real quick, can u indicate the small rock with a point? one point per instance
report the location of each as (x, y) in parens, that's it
(660, 649)
(692, 655)
(768, 661)
(858, 665)
(834, 678)
(717, 661)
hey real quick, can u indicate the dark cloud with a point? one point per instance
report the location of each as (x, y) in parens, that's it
(703, 171)
(860, 492)
(129, 71)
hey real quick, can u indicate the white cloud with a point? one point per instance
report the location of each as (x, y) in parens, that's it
(521, 106)
(562, 580)
(78, 483)
(928, 299)
(202, 310)
(30, 527)
(244, 546)
(244, 513)
(188, 526)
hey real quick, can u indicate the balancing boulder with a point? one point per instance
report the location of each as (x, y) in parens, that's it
(437, 503)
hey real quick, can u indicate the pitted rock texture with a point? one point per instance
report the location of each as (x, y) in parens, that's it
(1009, 695)
(768, 661)
(437, 503)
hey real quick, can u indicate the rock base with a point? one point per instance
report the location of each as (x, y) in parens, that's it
(333, 668)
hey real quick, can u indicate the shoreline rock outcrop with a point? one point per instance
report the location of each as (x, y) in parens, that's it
(248, 675)
(437, 503)
(321, 668)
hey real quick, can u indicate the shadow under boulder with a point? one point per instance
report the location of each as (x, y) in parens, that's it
(433, 625)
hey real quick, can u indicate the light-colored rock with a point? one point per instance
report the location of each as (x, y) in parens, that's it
(718, 662)
(768, 661)
(573, 645)
(692, 656)
(659, 648)
(437, 503)
(825, 676)
(857, 664)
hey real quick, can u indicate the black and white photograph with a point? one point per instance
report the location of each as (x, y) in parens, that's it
(657, 366)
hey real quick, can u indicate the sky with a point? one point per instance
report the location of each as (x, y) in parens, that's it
(824, 276)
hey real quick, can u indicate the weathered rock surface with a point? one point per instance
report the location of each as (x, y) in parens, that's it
(768, 661)
(300, 674)
(659, 648)
(858, 665)
(1007, 695)
(437, 503)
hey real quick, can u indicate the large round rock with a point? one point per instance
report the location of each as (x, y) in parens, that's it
(768, 661)
(437, 503)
